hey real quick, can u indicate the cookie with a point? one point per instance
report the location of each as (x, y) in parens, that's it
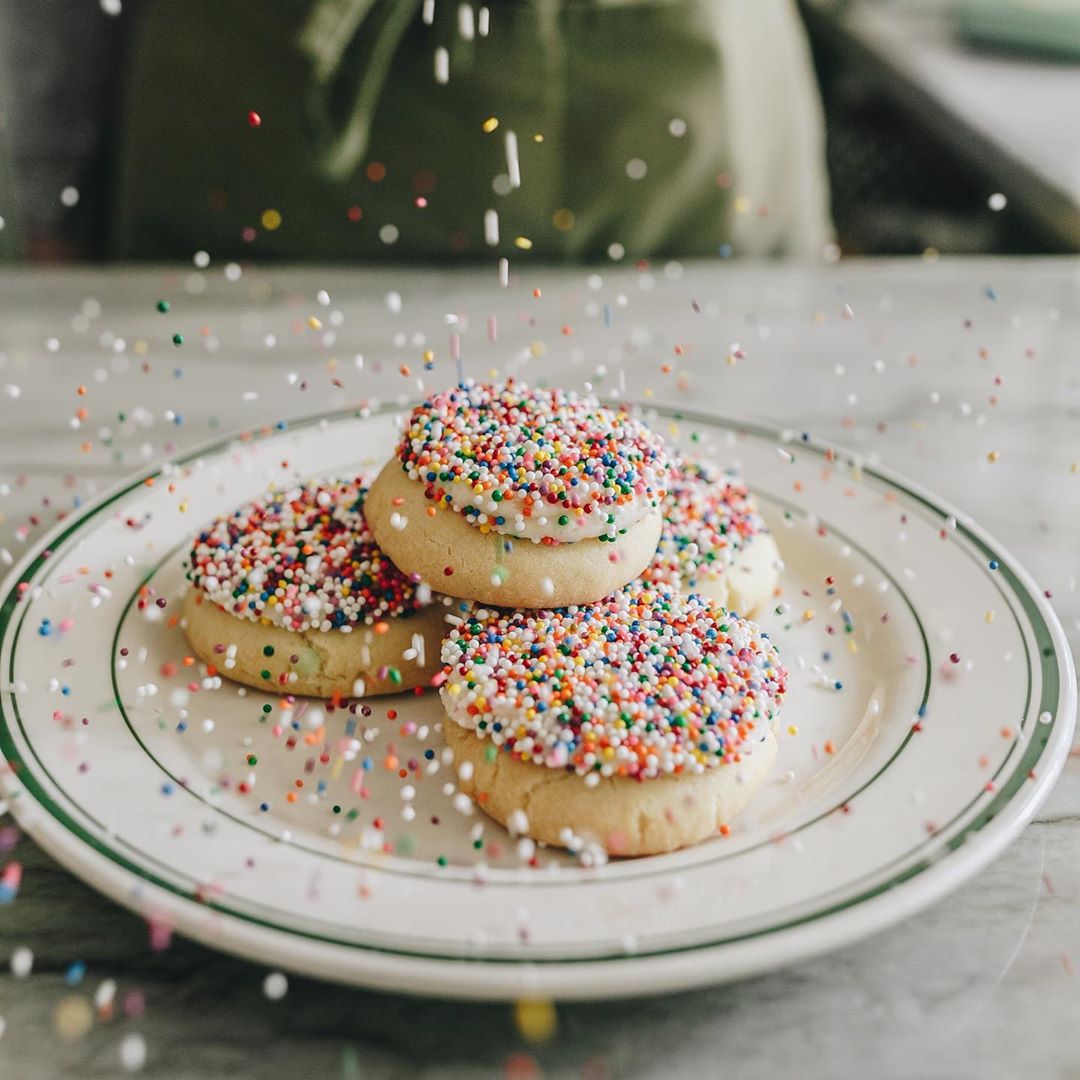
(714, 541)
(521, 497)
(290, 593)
(643, 722)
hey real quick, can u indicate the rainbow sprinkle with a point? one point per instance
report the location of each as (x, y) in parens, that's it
(303, 559)
(709, 517)
(551, 465)
(642, 684)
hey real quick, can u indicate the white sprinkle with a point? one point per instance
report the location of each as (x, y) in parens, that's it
(22, 962)
(201, 259)
(997, 201)
(428, 14)
(388, 234)
(133, 1052)
(465, 22)
(491, 227)
(513, 167)
(442, 66)
(677, 128)
(275, 986)
(636, 169)
(484, 22)
(69, 196)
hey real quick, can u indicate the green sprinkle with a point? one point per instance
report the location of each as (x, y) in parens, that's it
(268, 650)
(442, 860)
(489, 753)
(163, 306)
(268, 708)
(563, 519)
(264, 674)
(336, 809)
(252, 759)
(178, 339)
(395, 676)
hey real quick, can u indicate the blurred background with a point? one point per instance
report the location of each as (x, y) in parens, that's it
(567, 129)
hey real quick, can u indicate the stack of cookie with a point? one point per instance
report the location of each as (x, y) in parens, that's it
(597, 684)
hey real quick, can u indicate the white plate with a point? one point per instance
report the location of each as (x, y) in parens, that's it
(897, 786)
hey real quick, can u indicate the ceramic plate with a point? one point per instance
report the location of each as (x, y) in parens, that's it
(931, 707)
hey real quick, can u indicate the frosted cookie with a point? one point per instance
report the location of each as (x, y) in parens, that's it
(290, 593)
(714, 541)
(643, 722)
(521, 497)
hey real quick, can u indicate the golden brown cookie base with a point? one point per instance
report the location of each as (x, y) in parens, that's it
(578, 573)
(328, 662)
(626, 817)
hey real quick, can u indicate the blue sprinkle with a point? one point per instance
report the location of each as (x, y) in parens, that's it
(922, 710)
(264, 806)
(167, 788)
(993, 564)
(74, 974)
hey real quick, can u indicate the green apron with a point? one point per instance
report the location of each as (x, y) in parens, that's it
(683, 128)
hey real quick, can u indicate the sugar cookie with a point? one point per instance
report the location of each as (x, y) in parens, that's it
(290, 593)
(521, 497)
(644, 721)
(714, 541)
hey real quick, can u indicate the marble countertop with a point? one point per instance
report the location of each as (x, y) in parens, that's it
(924, 366)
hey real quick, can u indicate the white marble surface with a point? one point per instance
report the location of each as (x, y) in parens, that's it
(881, 357)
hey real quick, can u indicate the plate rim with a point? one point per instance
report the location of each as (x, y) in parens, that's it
(628, 975)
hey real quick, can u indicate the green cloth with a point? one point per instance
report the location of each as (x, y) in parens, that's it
(355, 130)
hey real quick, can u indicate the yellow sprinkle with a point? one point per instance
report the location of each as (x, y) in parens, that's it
(523, 242)
(429, 355)
(992, 456)
(852, 646)
(493, 373)
(563, 220)
(314, 323)
(732, 359)
(808, 614)
(536, 1020)
(792, 729)
(537, 349)
(184, 507)
(271, 220)
(538, 138)
(141, 347)
(918, 425)
(73, 1017)
(490, 124)
(742, 204)
(989, 617)
(1074, 467)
